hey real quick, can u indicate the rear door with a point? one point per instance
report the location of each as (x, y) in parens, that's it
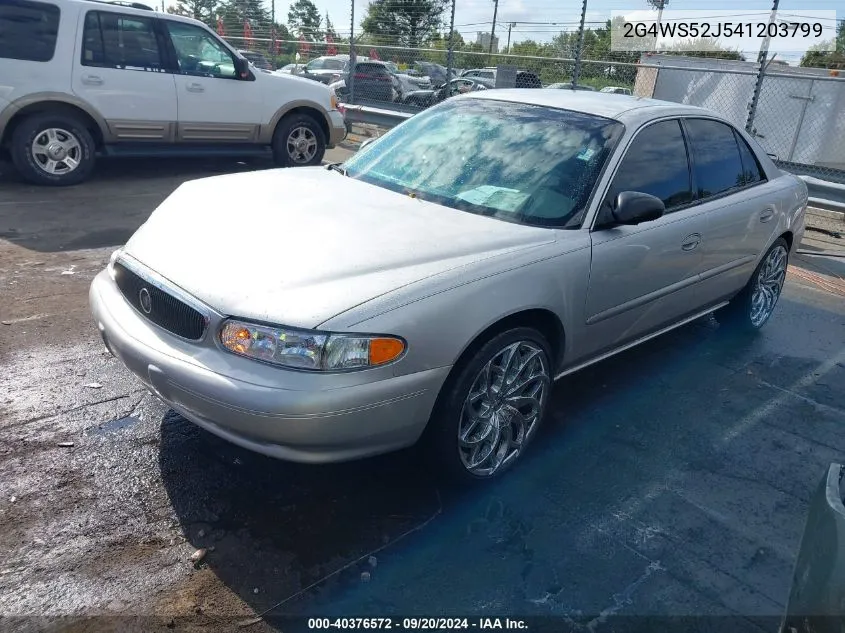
(643, 277)
(740, 204)
(121, 69)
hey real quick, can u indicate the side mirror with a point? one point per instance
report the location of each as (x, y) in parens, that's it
(241, 68)
(634, 207)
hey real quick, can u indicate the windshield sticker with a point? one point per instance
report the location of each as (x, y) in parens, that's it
(586, 154)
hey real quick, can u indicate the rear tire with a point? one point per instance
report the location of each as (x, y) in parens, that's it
(489, 411)
(749, 310)
(53, 149)
(299, 141)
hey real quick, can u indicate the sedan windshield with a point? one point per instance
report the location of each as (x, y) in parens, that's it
(516, 162)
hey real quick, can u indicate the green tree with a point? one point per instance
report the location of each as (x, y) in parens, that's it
(235, 13)
(702, 48)
(330, 32)
(202, 10)
(407, 23)
(815, 58)
(305, 20)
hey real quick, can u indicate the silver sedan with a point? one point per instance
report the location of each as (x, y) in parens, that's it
(431, 289)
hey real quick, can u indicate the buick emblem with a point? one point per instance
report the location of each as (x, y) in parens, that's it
(145, 300)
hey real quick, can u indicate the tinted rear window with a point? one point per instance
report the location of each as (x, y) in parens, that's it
(371, 69)
(28, 30)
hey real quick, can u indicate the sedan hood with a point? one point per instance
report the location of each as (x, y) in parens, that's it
(298, 246)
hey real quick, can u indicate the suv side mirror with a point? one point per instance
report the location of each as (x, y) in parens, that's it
(634, 207)
(242, 68)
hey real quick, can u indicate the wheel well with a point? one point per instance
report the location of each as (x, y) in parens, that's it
(544, 321)
(314, 113)
(788, 237)
(53, 107)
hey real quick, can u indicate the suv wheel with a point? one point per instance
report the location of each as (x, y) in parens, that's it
(299, 141)
(53, 149)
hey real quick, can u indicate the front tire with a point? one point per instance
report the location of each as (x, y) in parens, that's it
(753, 306)
(53, 149)
(489, 411)
(299, 141)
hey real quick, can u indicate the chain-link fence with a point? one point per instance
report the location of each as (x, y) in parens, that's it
(407, 58)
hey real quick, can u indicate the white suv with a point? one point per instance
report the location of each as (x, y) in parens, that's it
(82, 78)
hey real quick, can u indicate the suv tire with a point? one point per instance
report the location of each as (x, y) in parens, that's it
(53, 149)
(299, 141)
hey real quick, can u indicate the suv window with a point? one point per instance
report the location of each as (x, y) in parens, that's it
(198, 52)
(655, 163)
(114, 40)
(28, 30)
(751, 169)
(717, 165)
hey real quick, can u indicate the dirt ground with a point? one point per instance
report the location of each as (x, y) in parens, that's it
(671, 480)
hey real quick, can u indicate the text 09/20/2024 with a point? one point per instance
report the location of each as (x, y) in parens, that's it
(417, 623)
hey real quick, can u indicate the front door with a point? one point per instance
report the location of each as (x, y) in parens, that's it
(643, 277)
(214, 104)
(120, 69)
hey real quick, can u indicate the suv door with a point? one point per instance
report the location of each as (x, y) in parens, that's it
(643, 277)
(741, 206)
(121, 70)
(214, 104)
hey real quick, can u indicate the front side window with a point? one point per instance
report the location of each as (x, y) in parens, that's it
(113, 40)
(716, 160)
(515, 162)
(198, 52)
(28, 30)
(655, 163)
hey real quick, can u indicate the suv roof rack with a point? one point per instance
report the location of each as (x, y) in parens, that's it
(125, 3)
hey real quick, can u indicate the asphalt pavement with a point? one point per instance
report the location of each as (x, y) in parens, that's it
(672, 480)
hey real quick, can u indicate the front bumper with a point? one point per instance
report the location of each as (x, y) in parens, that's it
(337, 128)
(292, 415)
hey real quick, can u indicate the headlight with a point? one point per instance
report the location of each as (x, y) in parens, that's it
(306, 349)
(112, 260)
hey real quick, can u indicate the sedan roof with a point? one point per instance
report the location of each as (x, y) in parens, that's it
(611, 106)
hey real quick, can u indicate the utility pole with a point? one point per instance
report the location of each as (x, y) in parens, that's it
(577, 73)
(350, 78)
(761, 71)
(510, 26)
(273, 29)
(450, 54)
(659, 5)
(493, 30)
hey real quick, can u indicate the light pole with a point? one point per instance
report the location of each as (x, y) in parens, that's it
(493, 30)
(510, 26)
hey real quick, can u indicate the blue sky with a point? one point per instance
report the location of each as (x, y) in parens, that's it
(472, 16)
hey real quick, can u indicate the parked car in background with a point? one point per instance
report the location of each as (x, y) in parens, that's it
(327, 69)
(435, 72)
(461, 85)
(288, 69)
(485, 247)
(563, 85)
(373, 82)
(256, 59)
(616, 90)
(406, 83)
(173, 86)
(524, 78)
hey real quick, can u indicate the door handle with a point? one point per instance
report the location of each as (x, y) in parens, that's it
(691, 242)
(92, 80)
(195, 87)
(767, 214)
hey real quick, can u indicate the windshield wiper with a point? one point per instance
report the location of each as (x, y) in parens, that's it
(336, 167)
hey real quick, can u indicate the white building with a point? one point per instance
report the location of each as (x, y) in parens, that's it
(483, 40)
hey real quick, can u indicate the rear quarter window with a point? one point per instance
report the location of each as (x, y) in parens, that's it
(28, 30)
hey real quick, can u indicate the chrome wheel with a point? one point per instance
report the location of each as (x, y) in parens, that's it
(503, 408)
(768, 285)
(302, 144)
(56, 151)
